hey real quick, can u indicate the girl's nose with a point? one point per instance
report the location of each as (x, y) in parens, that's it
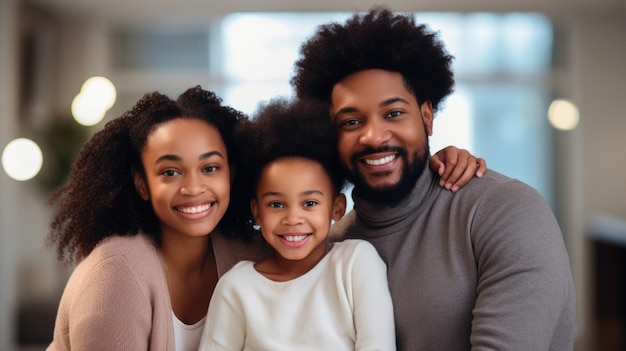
(292, 217)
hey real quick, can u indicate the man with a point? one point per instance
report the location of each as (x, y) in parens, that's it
(483, 268)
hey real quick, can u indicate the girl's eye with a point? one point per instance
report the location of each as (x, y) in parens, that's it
(275, 204)
(211, 169)
(310, 203)
(169, 173)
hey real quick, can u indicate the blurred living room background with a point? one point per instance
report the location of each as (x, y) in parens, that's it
(540, 94)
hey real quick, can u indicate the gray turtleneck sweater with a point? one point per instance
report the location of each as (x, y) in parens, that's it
(483, 269)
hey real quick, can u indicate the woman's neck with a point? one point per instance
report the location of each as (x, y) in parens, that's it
(191, 273)
(186, 255)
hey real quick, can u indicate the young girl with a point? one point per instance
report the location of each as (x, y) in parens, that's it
(136, 214)
(143, 196)
(310, 293)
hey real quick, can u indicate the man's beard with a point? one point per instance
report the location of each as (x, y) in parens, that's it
(389, 195)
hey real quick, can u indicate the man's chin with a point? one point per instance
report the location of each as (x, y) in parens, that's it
(380, 181)
(389, 195)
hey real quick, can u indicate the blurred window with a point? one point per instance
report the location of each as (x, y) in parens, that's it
(502, 67)
(159, 49)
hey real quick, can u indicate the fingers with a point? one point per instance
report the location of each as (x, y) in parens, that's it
(457, 167)
(482, 167)
(456, 170)
(436, 163)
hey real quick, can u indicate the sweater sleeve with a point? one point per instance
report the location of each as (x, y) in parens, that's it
(110, 311)
(373, 310)
(525, 288)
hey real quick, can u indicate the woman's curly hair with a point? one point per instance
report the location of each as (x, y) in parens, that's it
(378, 39)
(100, 199)
(287, 128)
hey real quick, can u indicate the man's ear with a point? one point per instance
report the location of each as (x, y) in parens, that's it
(140, 185)
(339, 207)
(427, 116)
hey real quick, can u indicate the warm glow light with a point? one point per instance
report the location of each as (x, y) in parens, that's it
(87, 109)
(96, 97)
(22, 159)
(102, 88)
(563, 114)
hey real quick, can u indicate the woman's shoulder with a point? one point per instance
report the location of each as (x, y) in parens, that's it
(138, 251)
(126, 245)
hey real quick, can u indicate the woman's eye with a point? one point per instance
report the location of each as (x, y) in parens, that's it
(211, 169)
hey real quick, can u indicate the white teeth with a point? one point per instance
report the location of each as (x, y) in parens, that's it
(381, 161)
(294, 237)
(195, 209)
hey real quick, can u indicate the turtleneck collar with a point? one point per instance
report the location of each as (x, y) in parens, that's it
(373, 215)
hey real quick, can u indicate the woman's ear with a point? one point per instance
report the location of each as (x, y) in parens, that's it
(339, 207)
(140, 185)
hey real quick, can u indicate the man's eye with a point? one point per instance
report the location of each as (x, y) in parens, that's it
(350, 122)
(394, 114)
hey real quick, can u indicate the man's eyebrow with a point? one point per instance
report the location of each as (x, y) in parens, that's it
(387, 102)
(393, 100)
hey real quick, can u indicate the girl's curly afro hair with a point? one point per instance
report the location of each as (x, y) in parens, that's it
(284, 128)
(100, 198)
(378, 39)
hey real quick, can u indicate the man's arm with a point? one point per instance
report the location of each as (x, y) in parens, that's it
(525, 295)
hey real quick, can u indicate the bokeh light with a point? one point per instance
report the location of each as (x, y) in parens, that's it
(563, 114)
(22, 159)
(96, 97)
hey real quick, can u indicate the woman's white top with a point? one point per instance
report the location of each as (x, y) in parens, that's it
(186, 336)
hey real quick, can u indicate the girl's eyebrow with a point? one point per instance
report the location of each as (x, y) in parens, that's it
(307, 193)
(176, 158)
